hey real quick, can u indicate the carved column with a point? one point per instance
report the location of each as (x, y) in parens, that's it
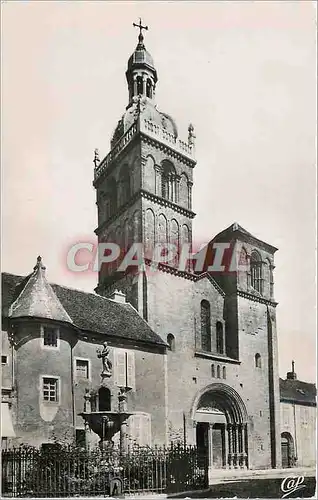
(236, 428)
(190, 184)
(240, 445)
(230, 445)
(245, 446)
(158, 171)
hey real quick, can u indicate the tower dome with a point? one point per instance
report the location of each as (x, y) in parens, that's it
(141, 58)
(141, 73)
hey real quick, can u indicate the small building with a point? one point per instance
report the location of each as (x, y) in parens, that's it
(51, 336)
(298, 421)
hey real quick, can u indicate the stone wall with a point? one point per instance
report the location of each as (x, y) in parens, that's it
(300, 422)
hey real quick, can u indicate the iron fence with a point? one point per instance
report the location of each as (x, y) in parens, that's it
(68, 472)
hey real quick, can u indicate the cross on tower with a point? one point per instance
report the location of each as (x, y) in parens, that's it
(141, 27)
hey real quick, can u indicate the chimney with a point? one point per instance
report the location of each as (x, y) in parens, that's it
(292, 375)
(118, 296)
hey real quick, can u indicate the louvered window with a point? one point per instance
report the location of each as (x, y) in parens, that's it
(140, 429)
(124, 368)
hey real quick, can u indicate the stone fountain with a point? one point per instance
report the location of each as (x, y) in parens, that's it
(107, 423)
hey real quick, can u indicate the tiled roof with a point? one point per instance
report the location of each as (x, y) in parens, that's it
(235, 229)
(37, 299)
(297, 391)
(88, 311)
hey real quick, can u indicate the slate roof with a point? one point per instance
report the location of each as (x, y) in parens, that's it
(296, 391)
(88, 311)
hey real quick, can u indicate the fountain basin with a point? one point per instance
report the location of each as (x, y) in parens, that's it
(105, 423)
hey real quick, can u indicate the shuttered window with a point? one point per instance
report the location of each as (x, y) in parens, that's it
(82, 368)
(124, 368)
(140, 429)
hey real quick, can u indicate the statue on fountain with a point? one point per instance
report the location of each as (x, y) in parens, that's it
(107, 364)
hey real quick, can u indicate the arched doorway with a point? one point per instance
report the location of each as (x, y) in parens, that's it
(221, 427)
(288, 450)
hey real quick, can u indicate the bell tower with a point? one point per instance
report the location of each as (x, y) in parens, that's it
(144, 184)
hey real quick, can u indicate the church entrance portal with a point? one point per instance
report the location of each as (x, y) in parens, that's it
(221, 428)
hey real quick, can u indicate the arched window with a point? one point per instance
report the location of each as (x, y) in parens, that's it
(243, 268)
(104, 399)
(256, 272)
(258, 361)
(112, 195)
(270, 277)
(205, 326)
(218, 371)
(124, 182)
(171, 342)
(168, 184)
(224, 372)
(139, 85)
(219, 338)
(213, 371)
(149, 88)
(107, 209)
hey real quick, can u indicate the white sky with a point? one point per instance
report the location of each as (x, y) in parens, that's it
(242, 72)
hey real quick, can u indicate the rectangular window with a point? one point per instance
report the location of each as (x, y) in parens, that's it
(124, 368)
(50, 389)
(50, 336)
(4, 360)
(82, 368)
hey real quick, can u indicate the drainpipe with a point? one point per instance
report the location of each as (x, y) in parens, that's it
(73, 393)
(295, 434)
(184, 431)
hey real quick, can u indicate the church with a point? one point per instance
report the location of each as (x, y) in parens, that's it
(194, 351)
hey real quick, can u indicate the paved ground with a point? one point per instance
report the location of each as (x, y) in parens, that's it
(250, 484)
(261, 484)
(254, 488)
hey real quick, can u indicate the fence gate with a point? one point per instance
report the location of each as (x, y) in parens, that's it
(187, 470)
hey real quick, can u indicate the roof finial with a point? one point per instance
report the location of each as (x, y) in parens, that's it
(141, 27)
(39, 264)
(191, 136)
(96, 160)
(293, 366)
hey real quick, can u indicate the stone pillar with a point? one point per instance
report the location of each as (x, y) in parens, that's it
(144, 84)
(226, 447)
(122, 407)
(177, 189)
(135, 85)
(210, 455)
